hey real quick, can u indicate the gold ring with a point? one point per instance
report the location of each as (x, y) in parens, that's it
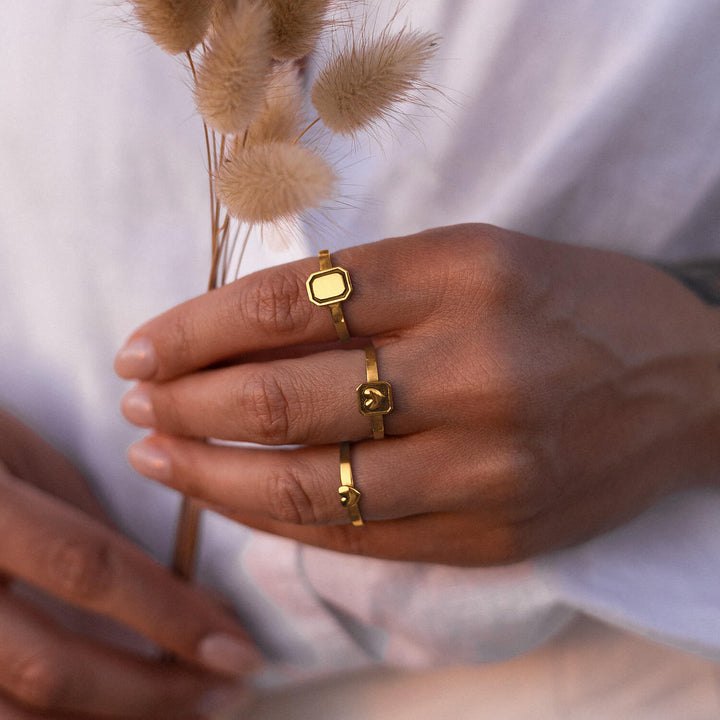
(349, 494)
(374, 396)
(330, 286)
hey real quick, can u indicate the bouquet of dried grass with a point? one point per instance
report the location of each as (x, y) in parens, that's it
(246, 60)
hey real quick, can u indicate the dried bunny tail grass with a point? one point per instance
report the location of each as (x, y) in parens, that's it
(221, 8)
(282, 115)
(362, 83)
(234, 72)
(175, 25)
(276, 181)
(297, 25)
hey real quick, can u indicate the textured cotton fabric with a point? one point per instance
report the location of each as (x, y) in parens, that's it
(582, 121)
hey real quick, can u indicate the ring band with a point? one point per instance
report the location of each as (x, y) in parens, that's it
(330, 286)
(349, 494)
(374, 396)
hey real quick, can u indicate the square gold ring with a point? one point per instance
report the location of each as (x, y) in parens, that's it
(329, 287)
(375, 398)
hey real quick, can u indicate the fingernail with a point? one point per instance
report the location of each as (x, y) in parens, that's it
(137, 407)
(137, 360)
(228, 655)
(150, 460)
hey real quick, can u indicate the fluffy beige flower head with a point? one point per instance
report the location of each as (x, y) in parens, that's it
(235, 70)
(175, 25)
(282, 114)
(296, 26)
(275, 181)
(360, 86)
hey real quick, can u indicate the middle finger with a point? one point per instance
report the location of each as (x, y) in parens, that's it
(309, 400)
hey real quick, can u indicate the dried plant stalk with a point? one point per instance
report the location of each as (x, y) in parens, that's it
(275, 181)
(175, 25)
(234, 72)
(249, 93)
(362, 84)
(297, 25)
(186, 536)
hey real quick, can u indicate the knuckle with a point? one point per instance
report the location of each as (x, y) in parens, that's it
(275, 301)
(288, 501)
(515, 482)
(178, 335)
(169, 406)
(498, 278)
(268, 408)
(83, 571)
(38, 681)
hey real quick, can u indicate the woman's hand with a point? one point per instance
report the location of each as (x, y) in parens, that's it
(543, 394)
(56, 539)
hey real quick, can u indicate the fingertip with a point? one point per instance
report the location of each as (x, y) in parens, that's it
(228, 655)
(137, 360)
(137, 407)
(150, 460)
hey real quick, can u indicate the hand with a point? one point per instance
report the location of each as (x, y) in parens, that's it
(57, 539)
(544, 393)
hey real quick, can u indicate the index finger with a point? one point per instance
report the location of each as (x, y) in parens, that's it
(271, 309)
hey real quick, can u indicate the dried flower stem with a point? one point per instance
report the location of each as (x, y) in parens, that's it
(188, 525)
(186, 537)
(309, 127)
(248, 90)
(213, 218)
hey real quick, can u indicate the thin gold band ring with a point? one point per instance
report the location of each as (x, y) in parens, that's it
(349, 494)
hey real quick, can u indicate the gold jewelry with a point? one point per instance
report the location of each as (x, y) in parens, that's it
(349, 495)
(374, 396)
(330, 286)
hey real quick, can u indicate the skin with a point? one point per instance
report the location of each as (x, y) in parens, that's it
(64, 567)
(544, 394)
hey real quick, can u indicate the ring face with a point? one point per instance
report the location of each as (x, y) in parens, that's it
(349, 494)
(328, 287)
(375, 398)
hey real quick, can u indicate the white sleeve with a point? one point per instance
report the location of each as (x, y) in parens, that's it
(658, 575)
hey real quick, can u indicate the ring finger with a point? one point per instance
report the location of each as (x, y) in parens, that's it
(301, 486)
